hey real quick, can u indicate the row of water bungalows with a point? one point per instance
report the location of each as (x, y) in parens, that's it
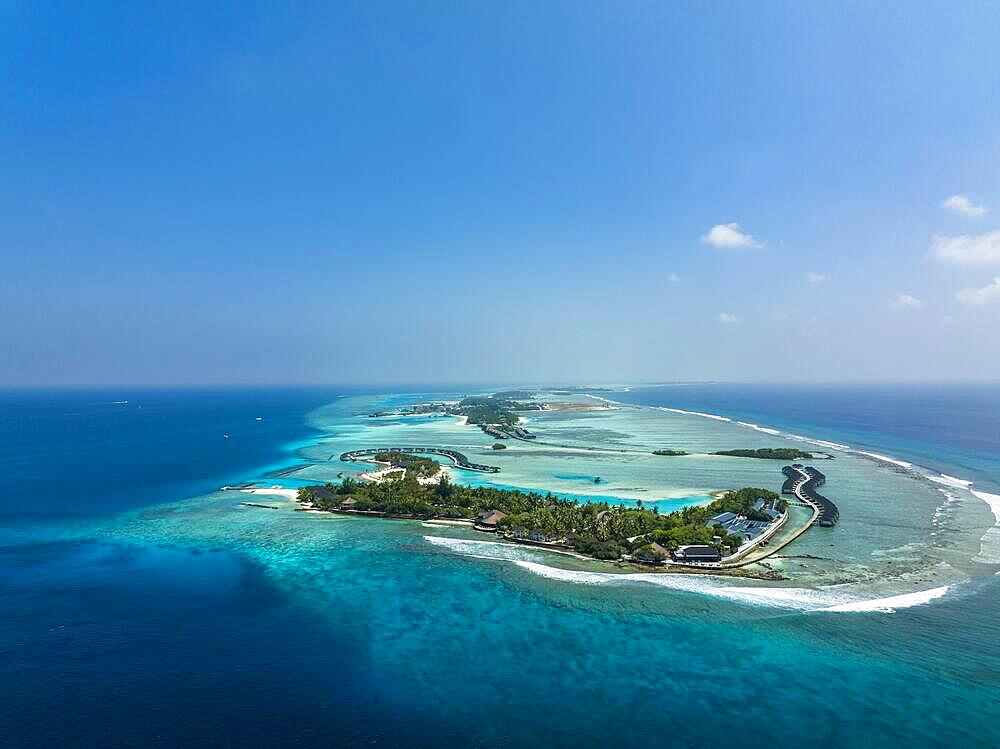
(801, 482)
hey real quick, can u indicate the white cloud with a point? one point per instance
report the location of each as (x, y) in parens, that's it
(962, 205)
(968, 250)
(985, 295)
(674, 278)
(816, 278)
(729, 236)
(905, 301)
(726, 319)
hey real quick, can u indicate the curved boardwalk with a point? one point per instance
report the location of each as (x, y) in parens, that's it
(456, 457)
(802, 482)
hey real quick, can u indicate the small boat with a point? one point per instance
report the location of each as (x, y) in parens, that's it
(259, 418)
(226, 435)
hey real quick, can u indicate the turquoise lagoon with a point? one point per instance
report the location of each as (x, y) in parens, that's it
(203, 621)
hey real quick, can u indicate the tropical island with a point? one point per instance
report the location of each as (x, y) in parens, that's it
(768, 453)
(496, 414)
(414, 464)
(762, 453)
(600, 530)
(498, 408)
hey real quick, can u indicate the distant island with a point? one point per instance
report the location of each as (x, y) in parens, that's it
(768, 453)
(763, 453)
(412, 464)
(496, 414)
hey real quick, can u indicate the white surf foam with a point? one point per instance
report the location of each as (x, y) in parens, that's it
(485, 549)
(602, 400)
(989, 547)
(891, 604)
(703, 415)
(795, 598)
(818, 442)
(993, 500)
(989, 544)
(947, 480)
(944, 510)
(887, 459)
(799, 599)
(758, 428)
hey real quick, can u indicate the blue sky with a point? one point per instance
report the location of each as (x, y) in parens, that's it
(385, 192)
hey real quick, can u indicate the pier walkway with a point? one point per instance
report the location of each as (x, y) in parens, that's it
(802, 482)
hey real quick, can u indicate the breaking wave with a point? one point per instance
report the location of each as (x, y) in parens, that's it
(886, 459)
(797, 599)
(703, 415)
(993, 500)
(950, 481)
(758, 428)
(891, 604)
(989, 544)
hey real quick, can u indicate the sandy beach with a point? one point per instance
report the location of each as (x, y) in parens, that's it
(274, 491)
(380, 474)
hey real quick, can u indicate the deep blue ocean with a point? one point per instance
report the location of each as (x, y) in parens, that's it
(107, 643)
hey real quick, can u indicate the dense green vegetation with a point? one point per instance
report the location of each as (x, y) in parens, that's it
(499, 408)
(514, 394)
(419, 467)
(768, 453)
(608, 531)
(405, 497)
(597, 529)
(493, 409)
(420, 408)
(741, 502)
(667, 451)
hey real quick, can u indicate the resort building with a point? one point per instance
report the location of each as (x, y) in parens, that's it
(765, 512)
(532, 534)
(722, 519)
(652, 553)
(323, 494)
(769, 507)
(698, 553)
(487, 520)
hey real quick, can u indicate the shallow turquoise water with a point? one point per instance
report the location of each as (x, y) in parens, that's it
(205, 622)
